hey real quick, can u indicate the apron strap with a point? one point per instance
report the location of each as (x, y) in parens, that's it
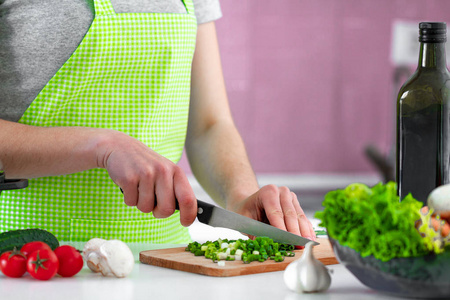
(103, 7)
(189, 6)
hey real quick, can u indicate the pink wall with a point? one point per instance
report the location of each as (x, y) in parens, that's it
(310, 81)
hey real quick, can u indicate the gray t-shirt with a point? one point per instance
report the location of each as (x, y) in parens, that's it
(38, 36)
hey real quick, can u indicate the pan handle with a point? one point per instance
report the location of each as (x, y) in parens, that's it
(11, 184)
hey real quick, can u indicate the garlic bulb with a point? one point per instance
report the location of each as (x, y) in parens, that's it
(307, 274)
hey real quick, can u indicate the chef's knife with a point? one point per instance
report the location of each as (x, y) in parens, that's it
(218, 217)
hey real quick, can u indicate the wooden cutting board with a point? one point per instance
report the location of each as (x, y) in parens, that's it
(180, 259)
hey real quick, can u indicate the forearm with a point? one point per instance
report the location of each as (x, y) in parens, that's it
(30, 151)
(217, 154)
(214, 147)
(219, 161)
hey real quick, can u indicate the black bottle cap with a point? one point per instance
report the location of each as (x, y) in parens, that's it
(433, 32)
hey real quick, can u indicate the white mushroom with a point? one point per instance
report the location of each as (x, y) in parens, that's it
(91, 253)
(111, 258)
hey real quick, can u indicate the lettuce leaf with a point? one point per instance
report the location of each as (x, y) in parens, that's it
(373, 221)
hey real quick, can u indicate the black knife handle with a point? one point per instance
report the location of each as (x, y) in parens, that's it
(204, 211)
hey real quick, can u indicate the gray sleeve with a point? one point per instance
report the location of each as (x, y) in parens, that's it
(207, 10)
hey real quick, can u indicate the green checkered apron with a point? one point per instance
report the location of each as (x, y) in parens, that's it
(130, 73)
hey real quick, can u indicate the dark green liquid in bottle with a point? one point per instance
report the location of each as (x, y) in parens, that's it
(423, 117)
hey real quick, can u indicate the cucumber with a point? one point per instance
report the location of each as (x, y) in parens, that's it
(18, 238)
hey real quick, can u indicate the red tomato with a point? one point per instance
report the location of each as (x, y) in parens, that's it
(13, 263)
(70, 260)
(30, 247)
(42, 264)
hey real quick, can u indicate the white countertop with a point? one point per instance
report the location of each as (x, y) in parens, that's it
(150, 282)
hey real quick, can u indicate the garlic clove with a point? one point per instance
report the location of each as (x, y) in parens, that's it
(307, 274)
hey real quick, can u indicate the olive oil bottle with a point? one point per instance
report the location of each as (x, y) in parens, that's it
(423, 117)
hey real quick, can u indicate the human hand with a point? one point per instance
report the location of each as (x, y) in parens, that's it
(148, 180)
(277, 206)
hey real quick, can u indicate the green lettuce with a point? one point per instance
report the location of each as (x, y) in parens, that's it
(373, 221)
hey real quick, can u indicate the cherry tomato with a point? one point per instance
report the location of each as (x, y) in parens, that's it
(30, 247)
(13, 263)
(70, 260)
(42, 264)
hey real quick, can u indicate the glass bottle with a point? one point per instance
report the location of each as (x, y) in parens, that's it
(423, 118)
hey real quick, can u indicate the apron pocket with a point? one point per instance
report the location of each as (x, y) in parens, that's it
(155, 231)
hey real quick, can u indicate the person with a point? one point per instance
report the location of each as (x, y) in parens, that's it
(99, 95)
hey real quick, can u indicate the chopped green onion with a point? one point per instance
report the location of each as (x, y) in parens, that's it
(259, 249)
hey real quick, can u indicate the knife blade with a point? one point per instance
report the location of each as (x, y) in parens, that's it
(218, 217)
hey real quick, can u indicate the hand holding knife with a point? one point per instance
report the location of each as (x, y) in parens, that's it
(218, 217)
